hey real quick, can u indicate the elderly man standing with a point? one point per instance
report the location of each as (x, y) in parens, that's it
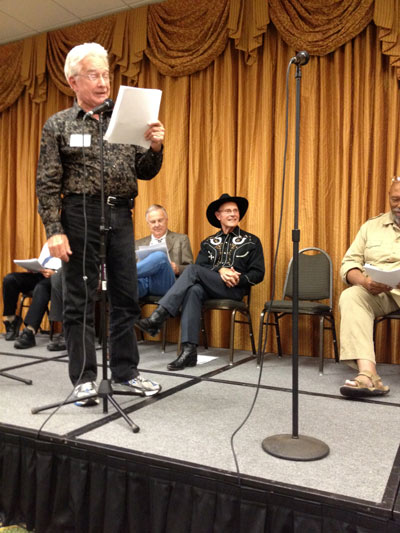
(378, 244)
(69, 194)
(156, 273)
(228, 264)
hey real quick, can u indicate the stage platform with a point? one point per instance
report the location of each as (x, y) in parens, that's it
(84, 470)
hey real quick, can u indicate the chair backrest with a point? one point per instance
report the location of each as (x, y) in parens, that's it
(315, 276)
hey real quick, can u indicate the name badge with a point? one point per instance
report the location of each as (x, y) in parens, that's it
(79, 140)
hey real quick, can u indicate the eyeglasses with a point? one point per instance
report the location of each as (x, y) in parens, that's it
(395, 179)
(229, 211)
(95, 76)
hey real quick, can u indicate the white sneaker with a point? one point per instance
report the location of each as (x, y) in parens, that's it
(86, 389)
(138, 385)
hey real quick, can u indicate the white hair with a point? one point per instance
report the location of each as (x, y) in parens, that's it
(78, 53)
(156, 207)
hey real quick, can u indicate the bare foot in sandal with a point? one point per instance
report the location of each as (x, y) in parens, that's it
(366, 384)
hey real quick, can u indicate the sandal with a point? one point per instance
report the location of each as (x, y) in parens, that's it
(358, 389)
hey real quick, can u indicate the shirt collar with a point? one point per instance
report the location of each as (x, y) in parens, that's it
(235, 232)
(389, 219)
(154, 240)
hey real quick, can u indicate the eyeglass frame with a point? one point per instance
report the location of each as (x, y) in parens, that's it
(229, 211)
(95, 76)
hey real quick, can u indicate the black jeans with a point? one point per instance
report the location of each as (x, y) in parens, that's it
(23, 282)
(194, 285)
(56, 299)
(121, 288)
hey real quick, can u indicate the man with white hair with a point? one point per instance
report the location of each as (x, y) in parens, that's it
(69, 194)
(157, 271)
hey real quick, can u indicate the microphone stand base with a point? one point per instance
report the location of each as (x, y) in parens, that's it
(299, 448)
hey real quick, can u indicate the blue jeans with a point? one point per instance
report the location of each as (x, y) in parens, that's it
(82, 273)
(155, 275)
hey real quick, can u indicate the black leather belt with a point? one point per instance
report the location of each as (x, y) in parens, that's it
(117, 201)
(112, 201)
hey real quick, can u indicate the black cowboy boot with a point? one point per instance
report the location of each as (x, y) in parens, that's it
(153, 323)
(188, 357)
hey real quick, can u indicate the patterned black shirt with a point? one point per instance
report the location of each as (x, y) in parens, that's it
(238, 249)
(64, 169)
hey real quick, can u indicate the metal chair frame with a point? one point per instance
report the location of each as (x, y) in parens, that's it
(308, 305)
(394, 315)
(235, 306)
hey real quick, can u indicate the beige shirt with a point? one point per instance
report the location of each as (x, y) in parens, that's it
(376, 243)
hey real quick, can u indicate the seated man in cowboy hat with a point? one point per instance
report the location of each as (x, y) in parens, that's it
(228, 264)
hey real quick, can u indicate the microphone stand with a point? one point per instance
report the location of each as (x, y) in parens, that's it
(105, 391)
(294, 446)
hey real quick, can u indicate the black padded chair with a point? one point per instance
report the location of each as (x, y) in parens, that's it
(234, 306)
(315, 287)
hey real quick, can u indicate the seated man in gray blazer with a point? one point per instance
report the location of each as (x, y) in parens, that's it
(156, 272)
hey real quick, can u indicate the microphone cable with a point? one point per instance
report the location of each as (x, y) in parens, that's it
(247, 416)
(84, 278)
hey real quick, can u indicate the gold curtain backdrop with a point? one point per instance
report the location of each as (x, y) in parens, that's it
(222, 65)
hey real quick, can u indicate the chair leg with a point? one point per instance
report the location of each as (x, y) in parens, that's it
(321, 344)
(178, 346)
(278, 334)
(334, 338)
(260, 352)
(163, 336)
(203, 330)
(232, 336)
(253, 346)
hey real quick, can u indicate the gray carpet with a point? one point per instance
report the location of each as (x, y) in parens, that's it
(199, 409)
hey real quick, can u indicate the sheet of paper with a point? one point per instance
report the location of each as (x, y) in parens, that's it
(134, 110)
(144, 251)
(202, 359)
(382, 276)
(45, 261)
(32, 265)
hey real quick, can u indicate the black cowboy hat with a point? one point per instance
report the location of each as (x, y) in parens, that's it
(241, 202)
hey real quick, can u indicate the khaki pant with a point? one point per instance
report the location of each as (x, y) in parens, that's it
(358, 310)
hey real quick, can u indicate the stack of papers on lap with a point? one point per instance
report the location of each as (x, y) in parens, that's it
(391, 278)
(144, 251)
(45, 261)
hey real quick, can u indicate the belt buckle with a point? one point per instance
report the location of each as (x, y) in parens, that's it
(111, 200)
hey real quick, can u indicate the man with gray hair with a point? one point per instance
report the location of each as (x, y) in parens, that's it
(157, 271)
(69, 190)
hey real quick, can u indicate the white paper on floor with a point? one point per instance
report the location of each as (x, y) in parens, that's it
(201, 359)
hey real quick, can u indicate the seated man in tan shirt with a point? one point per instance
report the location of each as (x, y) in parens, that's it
(378, 244)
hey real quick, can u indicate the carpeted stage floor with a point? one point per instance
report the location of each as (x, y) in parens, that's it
(190, 424)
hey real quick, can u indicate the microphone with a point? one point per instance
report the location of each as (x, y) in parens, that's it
(107, 104)
(301, 58)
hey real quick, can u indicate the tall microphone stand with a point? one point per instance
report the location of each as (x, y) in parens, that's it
(105, 390)
(294, 446)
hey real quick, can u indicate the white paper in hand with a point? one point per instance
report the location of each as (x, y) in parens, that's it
(134, 110)
(391, 277)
